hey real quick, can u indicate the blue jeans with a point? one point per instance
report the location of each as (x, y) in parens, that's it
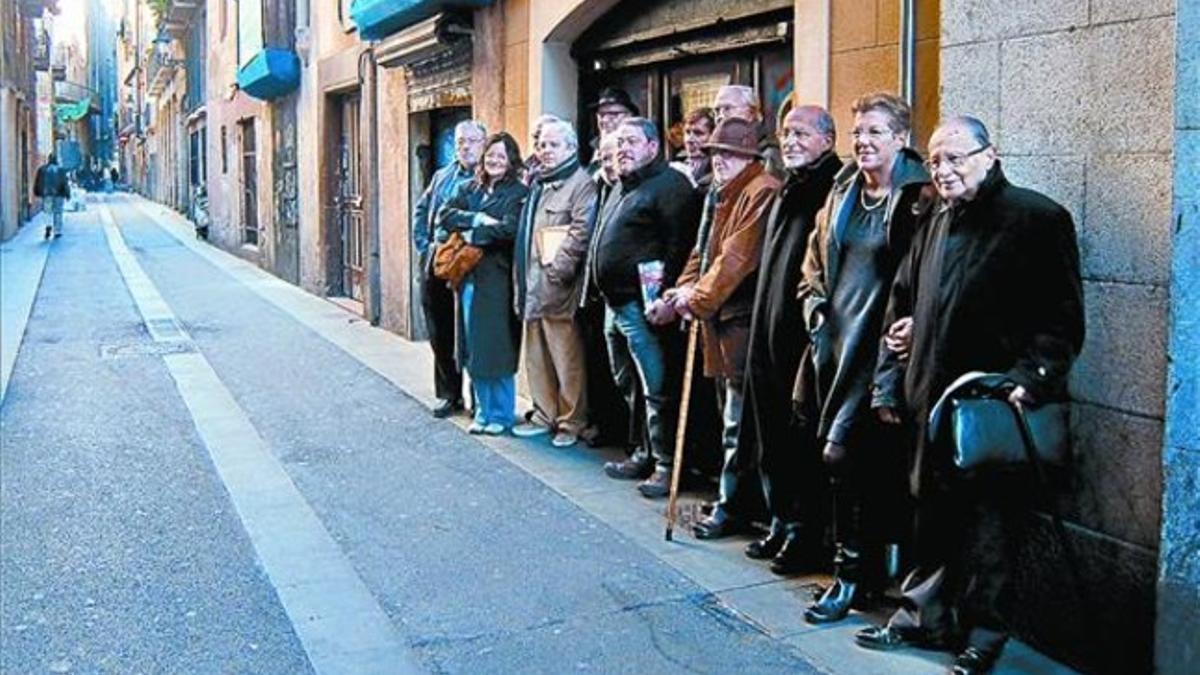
(638, 358)
(495, 397)
(495, 400)
(55, 206)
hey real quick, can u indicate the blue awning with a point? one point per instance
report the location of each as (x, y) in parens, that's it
(270, 74)
(377, 19)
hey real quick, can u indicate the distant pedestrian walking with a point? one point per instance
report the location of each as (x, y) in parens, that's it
(50, 184)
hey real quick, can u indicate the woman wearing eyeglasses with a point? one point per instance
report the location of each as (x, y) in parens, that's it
(859, 239)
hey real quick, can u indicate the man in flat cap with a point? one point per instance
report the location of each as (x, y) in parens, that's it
(717, 288)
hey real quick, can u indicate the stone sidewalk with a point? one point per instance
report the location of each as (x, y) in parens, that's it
(749, 589)
(22, 260)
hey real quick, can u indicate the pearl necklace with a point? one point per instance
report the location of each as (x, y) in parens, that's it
(862, 199)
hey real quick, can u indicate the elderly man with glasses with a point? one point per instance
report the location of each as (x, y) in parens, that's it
(991, 284)
(742, 102)
(437, 299)
(551, 244)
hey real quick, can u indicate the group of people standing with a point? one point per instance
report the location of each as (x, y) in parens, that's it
(835, 299)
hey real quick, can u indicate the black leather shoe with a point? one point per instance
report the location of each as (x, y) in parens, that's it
(884, 638)
(834, 604)
(658, 485)
(718, 525)
(445, 409)
(629, 469)
(797, 556)
(974, 661)
(767, 547)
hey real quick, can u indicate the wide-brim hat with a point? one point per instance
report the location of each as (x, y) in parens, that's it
(737, 136)
(617, 96)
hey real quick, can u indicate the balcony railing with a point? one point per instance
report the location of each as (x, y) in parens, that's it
(179, 14)
(161, 70)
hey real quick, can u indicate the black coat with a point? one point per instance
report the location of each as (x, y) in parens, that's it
(51, 181)
(777, 334)
(652, 214)
(491, 347)
(992, 285)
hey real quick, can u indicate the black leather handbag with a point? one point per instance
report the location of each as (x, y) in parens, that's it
(987, 430)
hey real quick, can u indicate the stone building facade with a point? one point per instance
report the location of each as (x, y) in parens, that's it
(1080, 97)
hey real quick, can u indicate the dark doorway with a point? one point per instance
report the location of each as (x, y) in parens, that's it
(431, 135)
(348, 202)
(286, 192)
(249, 182)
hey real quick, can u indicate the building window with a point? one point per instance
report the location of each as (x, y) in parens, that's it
(196, 64)
(249, 30)
(224, 150)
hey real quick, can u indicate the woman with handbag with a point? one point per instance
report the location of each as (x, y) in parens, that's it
(476, 259)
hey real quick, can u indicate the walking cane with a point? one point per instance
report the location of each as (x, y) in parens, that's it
(689, 364)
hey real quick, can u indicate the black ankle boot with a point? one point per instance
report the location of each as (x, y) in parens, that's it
(834, 604)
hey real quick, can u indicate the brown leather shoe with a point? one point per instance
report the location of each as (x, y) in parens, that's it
(718, 525)
(629, 469)
(658, 485)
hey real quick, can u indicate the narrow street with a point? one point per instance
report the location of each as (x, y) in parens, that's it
(131, 543)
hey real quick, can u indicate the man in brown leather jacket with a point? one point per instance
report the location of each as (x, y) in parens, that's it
(717, 284)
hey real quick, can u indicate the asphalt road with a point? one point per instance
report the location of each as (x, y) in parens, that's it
(121, 551)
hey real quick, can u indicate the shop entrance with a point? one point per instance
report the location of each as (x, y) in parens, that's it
(431, 135)
(670, 73)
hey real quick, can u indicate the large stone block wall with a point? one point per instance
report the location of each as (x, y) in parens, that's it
(1079, 97)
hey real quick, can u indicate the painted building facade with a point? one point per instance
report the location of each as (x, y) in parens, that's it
(24, 58)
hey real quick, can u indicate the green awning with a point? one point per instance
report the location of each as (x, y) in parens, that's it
(71, 112)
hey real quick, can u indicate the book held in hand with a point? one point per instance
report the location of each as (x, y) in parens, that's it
(650, 276)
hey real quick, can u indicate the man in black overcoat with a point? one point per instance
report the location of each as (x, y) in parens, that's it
(790, 467)
(991, 283)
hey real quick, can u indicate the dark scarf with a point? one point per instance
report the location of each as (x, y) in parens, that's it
(525, 227)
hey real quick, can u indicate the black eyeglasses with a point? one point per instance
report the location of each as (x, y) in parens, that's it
(951, 160)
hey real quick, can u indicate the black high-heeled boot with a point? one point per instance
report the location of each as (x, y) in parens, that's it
(834, 604)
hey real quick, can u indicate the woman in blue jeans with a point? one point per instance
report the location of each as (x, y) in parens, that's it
(485, 211)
